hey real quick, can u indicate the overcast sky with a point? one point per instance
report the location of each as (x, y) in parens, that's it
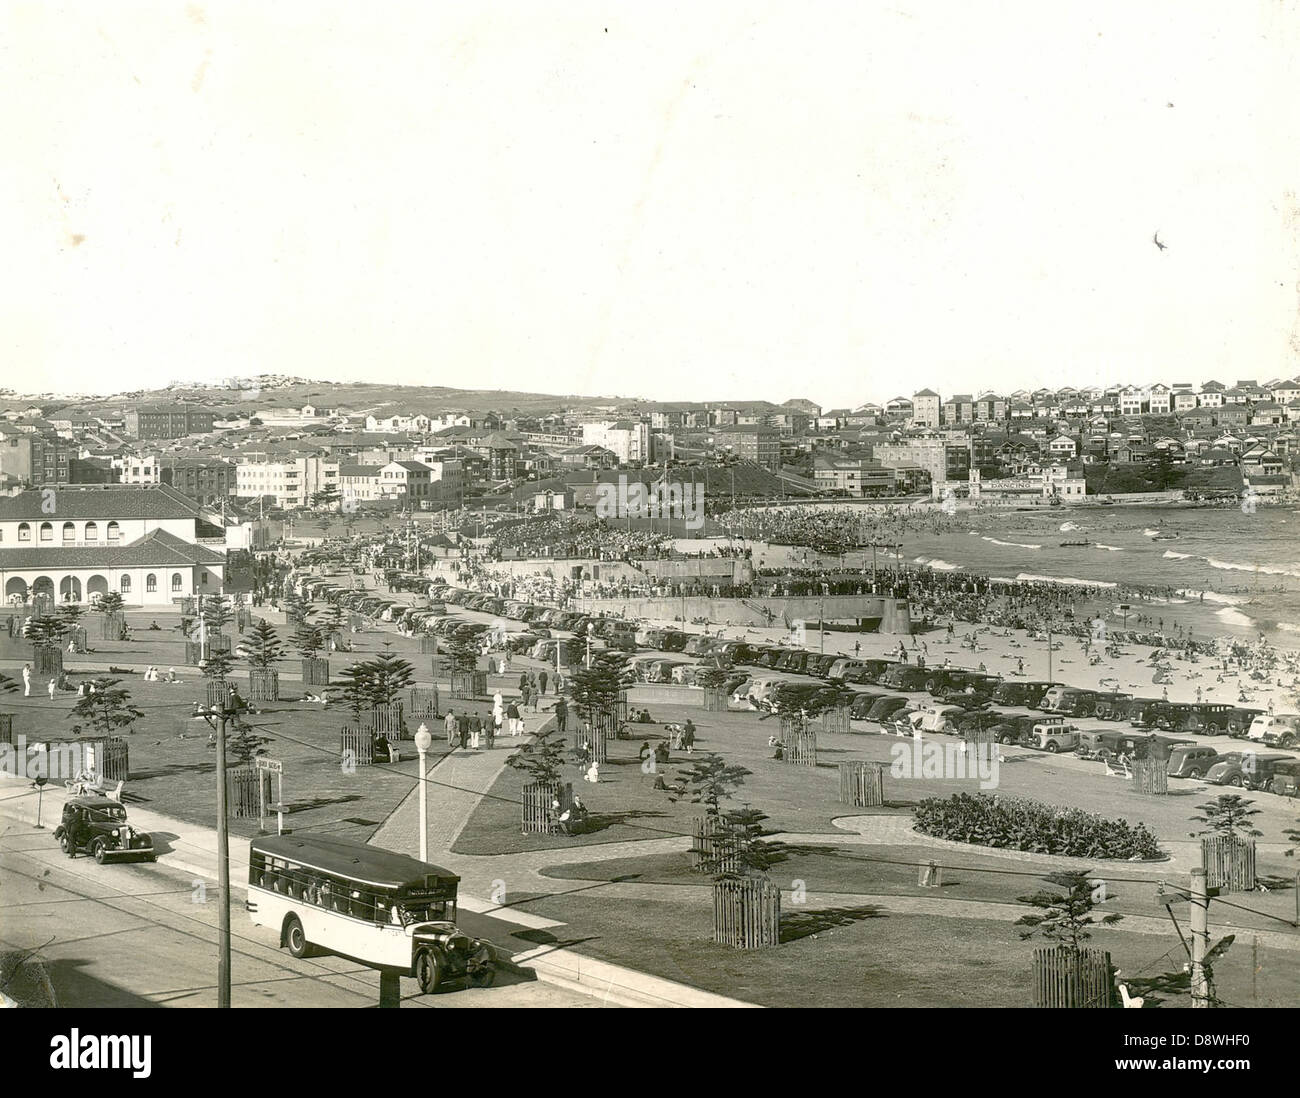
(840, 201)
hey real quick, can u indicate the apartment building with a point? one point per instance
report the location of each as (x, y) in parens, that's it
(207, 481)
(628, 439)
(291, 483)
(146, 421)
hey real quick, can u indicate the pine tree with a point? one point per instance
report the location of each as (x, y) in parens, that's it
(1228, 815)
(1067, 918)
(108, 710)
(262, 646)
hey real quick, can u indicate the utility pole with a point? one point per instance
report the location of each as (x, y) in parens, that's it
(821, 624)
(1200, 938)
(1049, 653)
(223, 848)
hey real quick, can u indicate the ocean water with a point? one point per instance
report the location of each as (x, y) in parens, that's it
(1246, 565)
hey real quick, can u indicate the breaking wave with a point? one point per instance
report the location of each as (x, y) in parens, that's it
(937, 565)
(1236, 566)
(1011, 544)
(1109, 548)
(1171, 555)
(1026, 577)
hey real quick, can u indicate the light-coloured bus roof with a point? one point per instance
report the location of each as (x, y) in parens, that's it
(356, 861)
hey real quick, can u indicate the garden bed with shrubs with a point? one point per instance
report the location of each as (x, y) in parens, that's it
(1016, 823)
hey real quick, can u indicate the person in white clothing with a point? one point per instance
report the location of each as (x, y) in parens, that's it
(52, 688)
(27, 680)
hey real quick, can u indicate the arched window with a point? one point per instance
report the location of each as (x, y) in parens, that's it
(92, 531)
(126, 585)
(151, 582)
(176, 581)
(69, 531)
(24, 531)
(113, 531)
(47, 531)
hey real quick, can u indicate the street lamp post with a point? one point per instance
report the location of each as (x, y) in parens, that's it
(422, 742)
(591, 628)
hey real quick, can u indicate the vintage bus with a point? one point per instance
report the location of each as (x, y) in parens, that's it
(321, 893)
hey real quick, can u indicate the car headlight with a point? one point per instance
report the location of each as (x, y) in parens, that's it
(115, 832)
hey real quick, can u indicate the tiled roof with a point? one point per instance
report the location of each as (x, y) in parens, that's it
(156, 549)
(101, 501)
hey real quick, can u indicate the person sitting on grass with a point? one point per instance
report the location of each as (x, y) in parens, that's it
(778, 750)
(154, 627)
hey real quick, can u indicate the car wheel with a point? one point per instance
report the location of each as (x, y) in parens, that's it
(97, 849)
(1194, 774)
(64, 845)
(1053, 748)
(1235, 780)
(1004, 739)
(295, 937)
(483, 976)
(430, 966)
(930, 684)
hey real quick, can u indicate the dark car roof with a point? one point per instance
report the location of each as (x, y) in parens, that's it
(95, 802)
(353, 859)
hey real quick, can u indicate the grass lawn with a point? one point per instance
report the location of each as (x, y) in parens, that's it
(893, 871)
(864, 957)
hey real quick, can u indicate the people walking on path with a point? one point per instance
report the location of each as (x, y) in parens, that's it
(27, 680)
(541, 682)
(512, 714)
(450, 725)
(561, 716)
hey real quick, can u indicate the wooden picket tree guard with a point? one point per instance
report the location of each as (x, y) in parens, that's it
(468, 685)
(1074, 981)
(981, 739)
(862, 784)
(243, 619)
(47, 661)
(357, 744)
(836, 721)
(216, 692)
(1150, 777)
(597, 740)
(315, 672)
(746, 913)
(424, 702)
(110, 625)
(428, 645)
(800, 744)
(242, 792)
(715, 700)
(6, 728)
(388, 719)
(538, 819)
(707, 854)
(1229, 862)
(263, 684)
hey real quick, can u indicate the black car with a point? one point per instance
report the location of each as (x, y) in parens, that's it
(98, 826)
(1028, 694)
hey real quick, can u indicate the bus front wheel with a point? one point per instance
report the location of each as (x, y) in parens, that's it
(295, 937)
(429, 969)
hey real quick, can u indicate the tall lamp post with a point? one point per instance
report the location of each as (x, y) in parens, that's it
(591, 628)
(422, 742)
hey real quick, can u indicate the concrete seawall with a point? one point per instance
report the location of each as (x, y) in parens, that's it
(875, 613)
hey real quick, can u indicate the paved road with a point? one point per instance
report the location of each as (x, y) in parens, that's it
(133, 935)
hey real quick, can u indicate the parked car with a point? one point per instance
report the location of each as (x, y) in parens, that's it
(840, 666)
(1028, 694)
(1245, 769)
(819, 665)
(1277, 730)
(887, 708)
(862, 702)
(1239, 720)
(674, 640)
(1286, 779)
(1055, 737)
(904, 676)
(98, 826)
(1190, 760)
(1074, 702)
(1209, 717)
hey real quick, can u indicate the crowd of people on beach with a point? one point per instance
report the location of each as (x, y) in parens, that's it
(557, 536)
